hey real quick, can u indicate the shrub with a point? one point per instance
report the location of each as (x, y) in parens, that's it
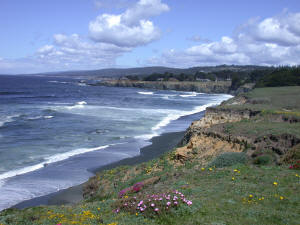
(229, 159)
(263, 160)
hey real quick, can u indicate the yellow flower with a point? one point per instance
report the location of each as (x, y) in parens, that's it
(275, 183)
(235, 170)
(262, 198)
(98, 208)
(259, 199)
(125, 196)
(232, 178)
(136, 214)
(297, 175)
(281, 198)
(210, 169)
(202, 168)
(250, 196)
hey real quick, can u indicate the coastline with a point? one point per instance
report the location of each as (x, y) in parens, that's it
(159, 144)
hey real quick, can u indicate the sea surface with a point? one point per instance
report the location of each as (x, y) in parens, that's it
(54, 131)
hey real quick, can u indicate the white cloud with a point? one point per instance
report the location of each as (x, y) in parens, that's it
(271, 41)
(67, 52)
(131, 28)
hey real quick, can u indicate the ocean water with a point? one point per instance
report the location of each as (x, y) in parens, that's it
(54, 131)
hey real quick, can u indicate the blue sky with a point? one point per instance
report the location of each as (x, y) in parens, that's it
(55, 35)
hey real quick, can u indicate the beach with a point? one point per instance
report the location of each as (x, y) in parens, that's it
(72, 195)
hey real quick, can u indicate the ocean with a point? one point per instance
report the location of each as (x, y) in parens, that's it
(55, 131)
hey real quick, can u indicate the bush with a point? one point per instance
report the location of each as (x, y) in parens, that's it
(229, 159)
(263, 160)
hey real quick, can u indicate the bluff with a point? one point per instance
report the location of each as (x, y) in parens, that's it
(204, 87)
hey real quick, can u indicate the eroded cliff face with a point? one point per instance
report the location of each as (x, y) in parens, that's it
(206, 138)
(204, 87)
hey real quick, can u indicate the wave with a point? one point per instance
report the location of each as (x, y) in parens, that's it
(49, 160)
(145, 92)
(78, 105)
(7, 119)
(190, 94)
(60, 82)
(176, 116)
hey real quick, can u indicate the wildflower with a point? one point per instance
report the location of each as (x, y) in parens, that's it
(168, 203)
(281, 197)
(152, 204)
(235, 170)
(175, 203)
(189, 202)
(202, 168)
(136, 214)
(262, 198)
(250, 196)
(156, 209)
(232, 178)
(275, 183)
(297, 175)
(210, 169)
(126, 196)
(98, 208)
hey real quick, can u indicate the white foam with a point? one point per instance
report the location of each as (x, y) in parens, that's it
(146, 136)
(78, 105)
(51, 159)
(60, 82)
(48, 117)
(190, 94)
(7, 119)
(145, 92)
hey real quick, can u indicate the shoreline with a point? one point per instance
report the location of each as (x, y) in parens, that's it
(72, 195)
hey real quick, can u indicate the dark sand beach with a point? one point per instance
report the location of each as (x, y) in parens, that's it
(72, 195)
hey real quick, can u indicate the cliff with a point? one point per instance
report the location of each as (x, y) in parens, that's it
(244, 124)
(204, 87)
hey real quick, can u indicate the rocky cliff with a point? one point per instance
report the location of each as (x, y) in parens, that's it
(209, 136)
(204, 87)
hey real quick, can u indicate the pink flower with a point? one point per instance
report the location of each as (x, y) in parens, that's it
(175, 203)
(168, 203)
(189, 202)
(156, 209)
(152, 205)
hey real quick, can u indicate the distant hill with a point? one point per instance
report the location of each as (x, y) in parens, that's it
(142, 71)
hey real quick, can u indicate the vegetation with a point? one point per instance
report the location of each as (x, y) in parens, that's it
(229, 159)
(241, 194)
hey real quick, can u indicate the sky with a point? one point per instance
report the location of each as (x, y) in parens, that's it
(59, 35)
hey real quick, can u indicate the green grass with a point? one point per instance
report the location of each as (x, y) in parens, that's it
(272, 98)
(261, 127)
(220, 196)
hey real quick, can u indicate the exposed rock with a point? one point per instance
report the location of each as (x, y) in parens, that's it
(204, 87)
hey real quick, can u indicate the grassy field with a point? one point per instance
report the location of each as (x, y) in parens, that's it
(240, 194)
(273, 99)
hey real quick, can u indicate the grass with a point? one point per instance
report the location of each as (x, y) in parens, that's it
(261, 127)
(272, 98)
(219, 196)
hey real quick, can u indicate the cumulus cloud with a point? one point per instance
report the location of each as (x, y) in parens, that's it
(131, 28)
(111, 36)
(271, 41)
(67, 52)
